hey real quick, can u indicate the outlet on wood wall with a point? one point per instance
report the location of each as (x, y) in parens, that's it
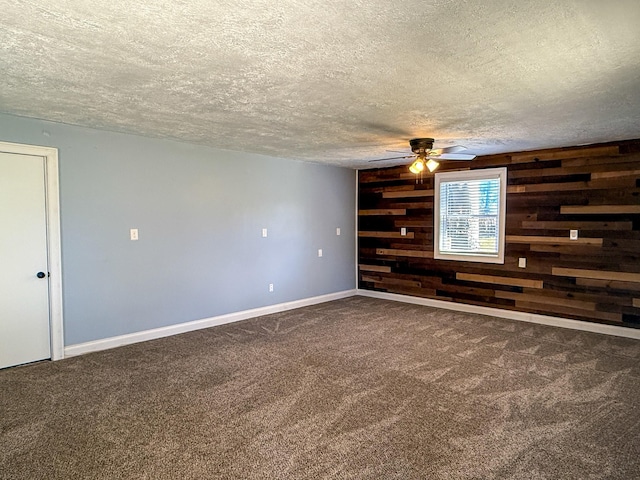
(593, 189)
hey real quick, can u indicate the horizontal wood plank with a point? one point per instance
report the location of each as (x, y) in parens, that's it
(558, 172)
(398, 281)
(383, 211)
(568, 225)
(561, 154)
(404, 253)
(608, 284)
(531, 239)
(414, 223)
(408, 194)
(567, 249)
(516, 217)
(616, 174)
(606, 160)
(546, 300)
(412, 291)
(369, 278)
(409, 235)
(396, 188)
(612, 183)
(601, 298)
(515, 282)
(413, 205)
(596, 274)
(547, 187)
(599, 209)
(374, 268)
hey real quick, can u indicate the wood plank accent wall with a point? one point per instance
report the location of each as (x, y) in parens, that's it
(593, 189)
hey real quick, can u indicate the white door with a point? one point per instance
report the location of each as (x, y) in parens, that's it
(24, 281)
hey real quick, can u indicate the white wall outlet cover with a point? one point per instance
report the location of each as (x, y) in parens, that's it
(522, 262)
(133, 234)
(403, 231)
(264, 232)
(319, 252)
(573, 234)
(338, 231)
(271, 287)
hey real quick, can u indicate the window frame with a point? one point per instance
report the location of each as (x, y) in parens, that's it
(464, 175)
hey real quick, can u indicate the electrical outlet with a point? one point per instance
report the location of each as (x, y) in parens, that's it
(403, 231)
(319, 252)
(271, 287)
(133, 233)
(264, 232)
(573, 234)
(522, 262)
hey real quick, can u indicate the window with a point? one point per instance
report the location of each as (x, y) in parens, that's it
(469, 215)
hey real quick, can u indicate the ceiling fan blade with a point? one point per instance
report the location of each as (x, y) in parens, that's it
(451, 149)
(392, 158)
(421, 149)
(452, 156)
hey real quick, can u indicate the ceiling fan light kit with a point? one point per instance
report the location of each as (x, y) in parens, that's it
(432, 165)
(417, 166)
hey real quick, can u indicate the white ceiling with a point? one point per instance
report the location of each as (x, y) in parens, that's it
(338, 82)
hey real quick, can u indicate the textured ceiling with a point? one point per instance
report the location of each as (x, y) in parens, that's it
(339, 82)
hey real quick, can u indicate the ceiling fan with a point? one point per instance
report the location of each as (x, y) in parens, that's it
(427, 157)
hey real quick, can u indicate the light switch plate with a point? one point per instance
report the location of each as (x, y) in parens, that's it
(338, 231)
(403, 231)
(319, 252)
(522, 262)
(264, 232)
(573, 234)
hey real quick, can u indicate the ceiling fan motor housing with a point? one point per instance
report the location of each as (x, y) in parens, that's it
(421, 145)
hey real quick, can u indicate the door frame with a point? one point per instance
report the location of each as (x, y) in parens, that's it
(54, 250)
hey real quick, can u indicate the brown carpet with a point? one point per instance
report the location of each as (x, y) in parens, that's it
(356, 388)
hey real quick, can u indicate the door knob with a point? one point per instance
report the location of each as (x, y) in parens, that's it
(41, 274)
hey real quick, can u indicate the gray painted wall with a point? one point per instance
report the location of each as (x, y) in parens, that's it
(200, 212)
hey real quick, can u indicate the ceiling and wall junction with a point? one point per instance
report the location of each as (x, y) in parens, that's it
(331, 82)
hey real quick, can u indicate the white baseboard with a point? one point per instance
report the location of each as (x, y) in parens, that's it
(508, 314)
(112, 342)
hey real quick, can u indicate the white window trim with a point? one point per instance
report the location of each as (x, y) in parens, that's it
(461, 175)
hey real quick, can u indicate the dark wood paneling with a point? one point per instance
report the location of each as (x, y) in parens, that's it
(593, 189)
(385, 234)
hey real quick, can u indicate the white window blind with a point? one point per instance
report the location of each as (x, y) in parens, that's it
(469, 215)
